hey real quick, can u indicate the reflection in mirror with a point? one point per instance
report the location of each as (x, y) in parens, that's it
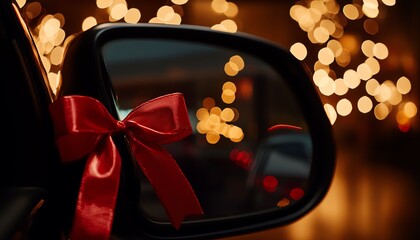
(250, 149)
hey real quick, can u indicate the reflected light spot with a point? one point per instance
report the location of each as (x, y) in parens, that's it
(403, 85)
(238, 61)
(296, 193)
(202, 114)
(231, 69)
(410, 109)
(380, 51)
(229, 85)
(365, 104)
(299, 51)
(235, 132)
(227, 115)
(283, 203)
(209, 103)
(212, 137)
(133, 15)
(216, 111)
(381, 111)
(319, 75)
(88, 23)
(270, 183)
(228, 96)
(344, 107)
(331, 113)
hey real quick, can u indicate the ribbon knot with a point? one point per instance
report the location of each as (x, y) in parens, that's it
(83, 127)
(120, 127)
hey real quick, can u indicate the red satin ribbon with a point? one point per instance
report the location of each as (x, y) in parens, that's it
(84, 127)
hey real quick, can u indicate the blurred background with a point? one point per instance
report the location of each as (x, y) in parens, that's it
(364, 56)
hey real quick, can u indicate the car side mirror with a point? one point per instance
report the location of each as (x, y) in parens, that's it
(261, 154)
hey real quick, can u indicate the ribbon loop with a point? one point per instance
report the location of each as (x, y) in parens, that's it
(83, 127)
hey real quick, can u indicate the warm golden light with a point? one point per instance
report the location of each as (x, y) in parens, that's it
(389, 2)
(202, 114)
(33, 10)
(374, 65)
(179, 2)
(344, 107)
(299, 51)
(238, 61)
(367, 48)
(403, 85)
(209, 103)
(228, 96)
(212, 137)
(232, 10)
(373, 87)
(340, 87)
(88, 23)
(227, 115)
(326, 56)
(381, 111)
(231, 69)
(365, 104)
(321, 34)
(351, 11)
(331, 113)
(57, 55)
(133, 15)
(229, 85)
(335, 47)
(351, 79)
(364, 72)
(371, 26)
(118, 11)
(21, 3)
(410, 109)
(219, 6)
(102, 4)
(380, 51)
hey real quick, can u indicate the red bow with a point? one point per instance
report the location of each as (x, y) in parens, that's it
(83, 126)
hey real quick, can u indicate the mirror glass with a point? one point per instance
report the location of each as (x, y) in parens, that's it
(250, 150)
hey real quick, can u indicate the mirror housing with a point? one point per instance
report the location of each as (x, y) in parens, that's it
(85, 72)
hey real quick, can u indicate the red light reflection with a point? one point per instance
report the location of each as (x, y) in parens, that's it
(270, 183)
(296, 193)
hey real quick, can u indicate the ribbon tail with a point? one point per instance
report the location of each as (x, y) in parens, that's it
(98, 193)
(168, 181)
